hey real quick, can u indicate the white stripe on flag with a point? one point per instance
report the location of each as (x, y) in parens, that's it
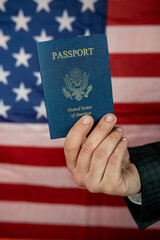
(60, 214)
(15, 134)
(134, 89)
(38, 176)
(38, 135)
(141, 134)
(133, 39)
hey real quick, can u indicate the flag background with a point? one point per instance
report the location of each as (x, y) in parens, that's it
(38, 197)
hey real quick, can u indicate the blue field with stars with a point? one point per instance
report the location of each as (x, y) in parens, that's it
(22, 24)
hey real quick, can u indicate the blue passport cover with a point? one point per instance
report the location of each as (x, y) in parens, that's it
(76, 80)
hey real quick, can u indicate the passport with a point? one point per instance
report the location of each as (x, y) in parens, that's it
(76, 80)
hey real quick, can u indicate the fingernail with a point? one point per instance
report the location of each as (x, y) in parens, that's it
(109, 118)
(118, 129)
(86, 120)
(124, 139)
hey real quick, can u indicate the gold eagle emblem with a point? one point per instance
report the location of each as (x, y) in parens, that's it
(76, 83)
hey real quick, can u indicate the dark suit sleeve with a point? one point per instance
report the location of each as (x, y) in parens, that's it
(147, 160)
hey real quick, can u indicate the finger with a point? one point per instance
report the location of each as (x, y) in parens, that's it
(112, 175)
(101, 155)
(74, 139)
(102, 129)
(126, 160)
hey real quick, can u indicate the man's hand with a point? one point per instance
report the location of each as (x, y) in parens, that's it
(101, 162)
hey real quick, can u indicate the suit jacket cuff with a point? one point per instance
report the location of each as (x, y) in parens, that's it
(136, 198)
(147, 160)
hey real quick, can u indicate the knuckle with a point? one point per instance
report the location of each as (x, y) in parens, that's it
(106, 188)
(78, 180)
(100, 153)
(110, 189)
(87, 148)
(91, 187)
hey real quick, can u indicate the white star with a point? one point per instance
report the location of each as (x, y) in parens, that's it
(4, 109)
(38, 76)
(2, 7)
(3, 40)
(41, 110)
(87, 33)
(22, 92)
(43, 37)
(21, 21)
(88, 4)
(22, 58)
(4, 75)
(65, 21)
(42, 4)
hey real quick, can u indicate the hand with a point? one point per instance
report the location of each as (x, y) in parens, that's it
(101, 162)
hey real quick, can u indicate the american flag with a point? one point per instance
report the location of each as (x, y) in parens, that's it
(38, 197)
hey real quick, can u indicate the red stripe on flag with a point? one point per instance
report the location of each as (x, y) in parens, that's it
(13, 192)
(132, 12)
(72, 232)
(33, 156)
(135, 65)
(137, 113)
